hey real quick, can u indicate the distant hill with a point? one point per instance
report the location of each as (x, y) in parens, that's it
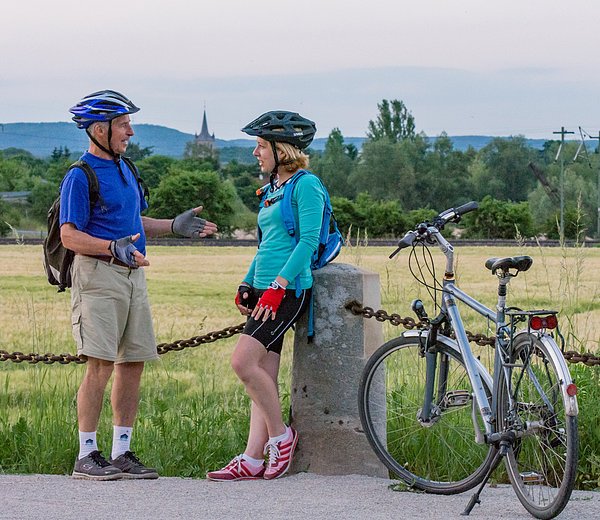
(42, 138)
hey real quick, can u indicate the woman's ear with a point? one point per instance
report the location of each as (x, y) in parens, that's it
(281, 154)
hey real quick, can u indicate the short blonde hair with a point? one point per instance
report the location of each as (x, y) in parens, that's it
(290, 157)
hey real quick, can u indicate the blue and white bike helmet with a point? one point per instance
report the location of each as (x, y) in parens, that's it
(104, 105)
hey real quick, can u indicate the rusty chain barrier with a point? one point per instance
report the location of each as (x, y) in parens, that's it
(357, 309)
(354, 307)
(162, 348)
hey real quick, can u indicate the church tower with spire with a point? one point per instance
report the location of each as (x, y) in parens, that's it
(204, 137)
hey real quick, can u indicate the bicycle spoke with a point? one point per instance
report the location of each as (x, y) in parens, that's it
(440, 455)
(543, 460)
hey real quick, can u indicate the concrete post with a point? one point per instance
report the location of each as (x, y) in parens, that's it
(326, 375)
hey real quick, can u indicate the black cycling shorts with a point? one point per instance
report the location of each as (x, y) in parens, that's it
(270, 333)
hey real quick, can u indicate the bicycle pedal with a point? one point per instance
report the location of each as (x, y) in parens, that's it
(532, 477)
(454, 398)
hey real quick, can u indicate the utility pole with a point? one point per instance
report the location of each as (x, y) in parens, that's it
(562, 133)
(598, 216)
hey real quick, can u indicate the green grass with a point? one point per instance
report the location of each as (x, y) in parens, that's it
(193, 412)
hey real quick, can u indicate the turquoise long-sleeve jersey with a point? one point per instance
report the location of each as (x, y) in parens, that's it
(278, 254)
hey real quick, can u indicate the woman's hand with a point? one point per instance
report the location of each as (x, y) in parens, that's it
(269, 302)
(245, 298)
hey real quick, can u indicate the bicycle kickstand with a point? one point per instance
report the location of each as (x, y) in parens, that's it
(506, 441)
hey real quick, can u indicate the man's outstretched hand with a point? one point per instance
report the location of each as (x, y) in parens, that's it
(188, 224)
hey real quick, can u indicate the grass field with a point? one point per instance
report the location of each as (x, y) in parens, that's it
(193, 414)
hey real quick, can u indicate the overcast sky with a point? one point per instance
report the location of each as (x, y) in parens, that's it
(462, 66)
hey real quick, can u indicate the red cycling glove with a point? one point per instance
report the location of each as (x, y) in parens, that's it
(271, 298)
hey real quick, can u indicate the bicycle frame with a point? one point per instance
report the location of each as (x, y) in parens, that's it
(474, 368)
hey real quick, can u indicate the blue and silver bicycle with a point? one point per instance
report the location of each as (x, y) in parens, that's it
(441, 421)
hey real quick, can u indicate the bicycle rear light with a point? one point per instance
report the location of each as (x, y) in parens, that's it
(572, 390)
(543, 322)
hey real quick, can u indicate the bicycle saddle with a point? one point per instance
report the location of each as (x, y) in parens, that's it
(520, 263)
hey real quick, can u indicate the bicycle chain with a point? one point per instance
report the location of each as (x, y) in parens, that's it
(354, 307)
(357, 309)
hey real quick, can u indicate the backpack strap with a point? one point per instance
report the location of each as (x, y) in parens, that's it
(262, 194)
(143, 186)
(287, 214)
(92, 178)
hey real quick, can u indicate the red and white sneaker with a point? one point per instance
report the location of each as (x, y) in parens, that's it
(280, 455)
(237, 469)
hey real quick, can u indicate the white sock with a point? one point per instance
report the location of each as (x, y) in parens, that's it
(253, 462)
(284, 436)
(87, 444)
(121, 440)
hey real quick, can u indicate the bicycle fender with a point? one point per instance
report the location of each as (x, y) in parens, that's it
(572, 408)
(483, 372)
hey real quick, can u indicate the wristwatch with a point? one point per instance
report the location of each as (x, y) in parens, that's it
(276, 285)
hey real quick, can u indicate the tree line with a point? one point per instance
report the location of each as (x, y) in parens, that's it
(398, 178)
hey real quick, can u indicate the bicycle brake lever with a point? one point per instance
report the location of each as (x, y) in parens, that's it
(395, 253)
(406, 241)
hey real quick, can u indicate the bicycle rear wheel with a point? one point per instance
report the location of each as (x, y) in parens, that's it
(543, 460)
(439, 457)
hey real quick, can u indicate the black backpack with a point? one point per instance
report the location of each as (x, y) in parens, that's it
(57, 258)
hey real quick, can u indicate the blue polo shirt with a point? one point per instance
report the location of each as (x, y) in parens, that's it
(118, 211)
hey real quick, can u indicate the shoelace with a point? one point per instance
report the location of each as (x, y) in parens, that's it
(237, 463)
(273, 451)
(98, 459)
(130, 455)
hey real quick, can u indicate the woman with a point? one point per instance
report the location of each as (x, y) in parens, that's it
(264, 296)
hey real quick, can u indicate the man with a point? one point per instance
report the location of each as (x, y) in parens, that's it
(111, 319)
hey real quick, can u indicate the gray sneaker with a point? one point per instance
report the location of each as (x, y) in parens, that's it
(131, 467)
(95, 467)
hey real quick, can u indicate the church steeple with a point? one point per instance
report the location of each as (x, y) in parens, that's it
(205, 137)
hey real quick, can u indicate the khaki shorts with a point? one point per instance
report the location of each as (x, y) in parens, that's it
(111, 315)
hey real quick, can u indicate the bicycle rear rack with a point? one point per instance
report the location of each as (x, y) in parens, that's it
(548, 322)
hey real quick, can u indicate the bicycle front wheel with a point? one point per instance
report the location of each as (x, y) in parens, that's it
(440, 456)
(543, 460)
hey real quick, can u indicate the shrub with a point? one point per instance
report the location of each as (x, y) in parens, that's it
(499, 219)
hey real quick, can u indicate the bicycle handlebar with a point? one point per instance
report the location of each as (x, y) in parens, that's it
(421, 231)
(406, 241)
(466, 208)
(454, 214)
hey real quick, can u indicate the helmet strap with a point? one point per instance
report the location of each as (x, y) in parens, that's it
(275, 156)
(108, 150)
(116, 157)
(275, 168)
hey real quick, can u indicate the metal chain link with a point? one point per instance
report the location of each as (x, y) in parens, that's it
(357, 309)
(195, 341)
(48, 359)
(354, 307)
(162, 348)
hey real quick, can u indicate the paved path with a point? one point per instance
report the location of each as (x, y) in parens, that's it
(302, 496)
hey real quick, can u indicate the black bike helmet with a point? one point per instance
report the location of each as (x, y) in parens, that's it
(283, 126)
(103, 105)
